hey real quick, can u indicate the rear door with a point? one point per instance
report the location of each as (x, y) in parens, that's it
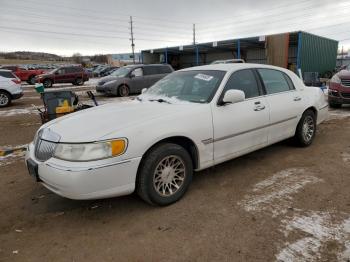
(285, 103)
(241, 127)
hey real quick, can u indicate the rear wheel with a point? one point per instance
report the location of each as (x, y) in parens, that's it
(306, 129)
(164, 175)
(78, 82)
(123, 90)
(5, 99)
(47, 83)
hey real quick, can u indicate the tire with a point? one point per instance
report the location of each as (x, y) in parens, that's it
(123, 90)
(5, 99)
(47, 83)
(158, 190)
(334, 105)
(78, 82)
(31, 80)
(306, 129)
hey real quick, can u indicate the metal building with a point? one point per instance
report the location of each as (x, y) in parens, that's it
(293, 50)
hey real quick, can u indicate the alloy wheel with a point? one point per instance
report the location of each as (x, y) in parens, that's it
(4, 100)
(308, 128)
(169, 175)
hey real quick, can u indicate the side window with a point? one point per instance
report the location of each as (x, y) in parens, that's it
(148, 70)
(245, 81)
(61, 71)
(137, 72)
(165, 70)
(7, 74)
(275, 81)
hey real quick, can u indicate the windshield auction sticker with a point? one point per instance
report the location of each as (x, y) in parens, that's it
(204, 77)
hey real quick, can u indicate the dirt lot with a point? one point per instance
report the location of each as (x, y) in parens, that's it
(280, 203)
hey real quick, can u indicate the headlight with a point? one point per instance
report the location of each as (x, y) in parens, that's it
(336, 79)
(90, 151)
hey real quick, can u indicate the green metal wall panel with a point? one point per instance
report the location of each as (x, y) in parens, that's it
(317, 54)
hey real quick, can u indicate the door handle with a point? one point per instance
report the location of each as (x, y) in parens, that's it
(297, 98)
(259, 108)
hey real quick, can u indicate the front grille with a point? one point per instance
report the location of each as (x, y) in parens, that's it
(44, 150)
(346, 95)
(345, 82)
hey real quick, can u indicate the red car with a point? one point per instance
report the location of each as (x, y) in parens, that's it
(339, 89)
(24, 74)
(65, 74)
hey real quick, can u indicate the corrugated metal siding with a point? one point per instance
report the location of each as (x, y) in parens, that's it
(317, 54)
(257, 56)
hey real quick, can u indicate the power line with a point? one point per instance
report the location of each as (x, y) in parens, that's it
(284, 19)
(83, 35)
(104, 13)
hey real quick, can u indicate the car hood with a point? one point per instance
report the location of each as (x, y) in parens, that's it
(344, 74)
(100, 122)
(108, 79)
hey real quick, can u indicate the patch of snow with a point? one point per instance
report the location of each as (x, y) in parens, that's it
(319, 228)
(275, 194)
(18, 111)
(346, 157)
(338, 113)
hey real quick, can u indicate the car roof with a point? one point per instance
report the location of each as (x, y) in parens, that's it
(232, 67)
(5, 70)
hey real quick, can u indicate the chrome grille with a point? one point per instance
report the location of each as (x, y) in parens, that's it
(345, 82)
(44, 149)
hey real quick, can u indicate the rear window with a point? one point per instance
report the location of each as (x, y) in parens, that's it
(7, 74)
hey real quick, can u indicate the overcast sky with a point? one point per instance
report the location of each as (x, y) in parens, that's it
(102, 26)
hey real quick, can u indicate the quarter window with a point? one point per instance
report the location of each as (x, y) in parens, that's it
(245, 81)
(275, 81)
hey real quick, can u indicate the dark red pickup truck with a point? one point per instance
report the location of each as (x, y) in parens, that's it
(24, 74)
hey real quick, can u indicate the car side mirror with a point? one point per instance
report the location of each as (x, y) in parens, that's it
(57, 73)
(132, 75)
(233, 96)
(143, 90)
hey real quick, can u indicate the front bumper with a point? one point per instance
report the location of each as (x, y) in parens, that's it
(338, 98)
(87, 180)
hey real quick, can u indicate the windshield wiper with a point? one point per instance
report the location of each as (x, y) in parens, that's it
(159, 100)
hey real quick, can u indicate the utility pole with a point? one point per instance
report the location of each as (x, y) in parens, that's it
(132, 40)
(342, 57)
(194, 34)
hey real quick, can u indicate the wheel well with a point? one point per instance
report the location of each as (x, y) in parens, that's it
(5, 91)
(124, 85)
(184, 142)
(313, 109)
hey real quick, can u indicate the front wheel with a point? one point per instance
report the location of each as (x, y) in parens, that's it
(165, 174)
(123, 90)
(306, 129)
(31, 80)
(78, 82)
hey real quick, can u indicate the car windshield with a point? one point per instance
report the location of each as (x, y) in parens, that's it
(197, 86)
(121, 72)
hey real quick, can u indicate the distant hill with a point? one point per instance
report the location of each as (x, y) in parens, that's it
(25, 55)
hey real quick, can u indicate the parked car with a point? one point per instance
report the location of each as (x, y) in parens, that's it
(228, 61)
(190, 120)
(65, 74)
(132, 79)
(339, 89)
(108, 70)
(24, 74)
(10, 87)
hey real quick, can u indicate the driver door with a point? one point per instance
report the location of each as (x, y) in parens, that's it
(137, 81)
(240, 127)
(60, 75)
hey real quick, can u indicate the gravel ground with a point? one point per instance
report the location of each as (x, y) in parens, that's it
(279, 203)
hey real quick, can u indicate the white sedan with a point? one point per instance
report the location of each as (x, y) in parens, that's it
(190, 120)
